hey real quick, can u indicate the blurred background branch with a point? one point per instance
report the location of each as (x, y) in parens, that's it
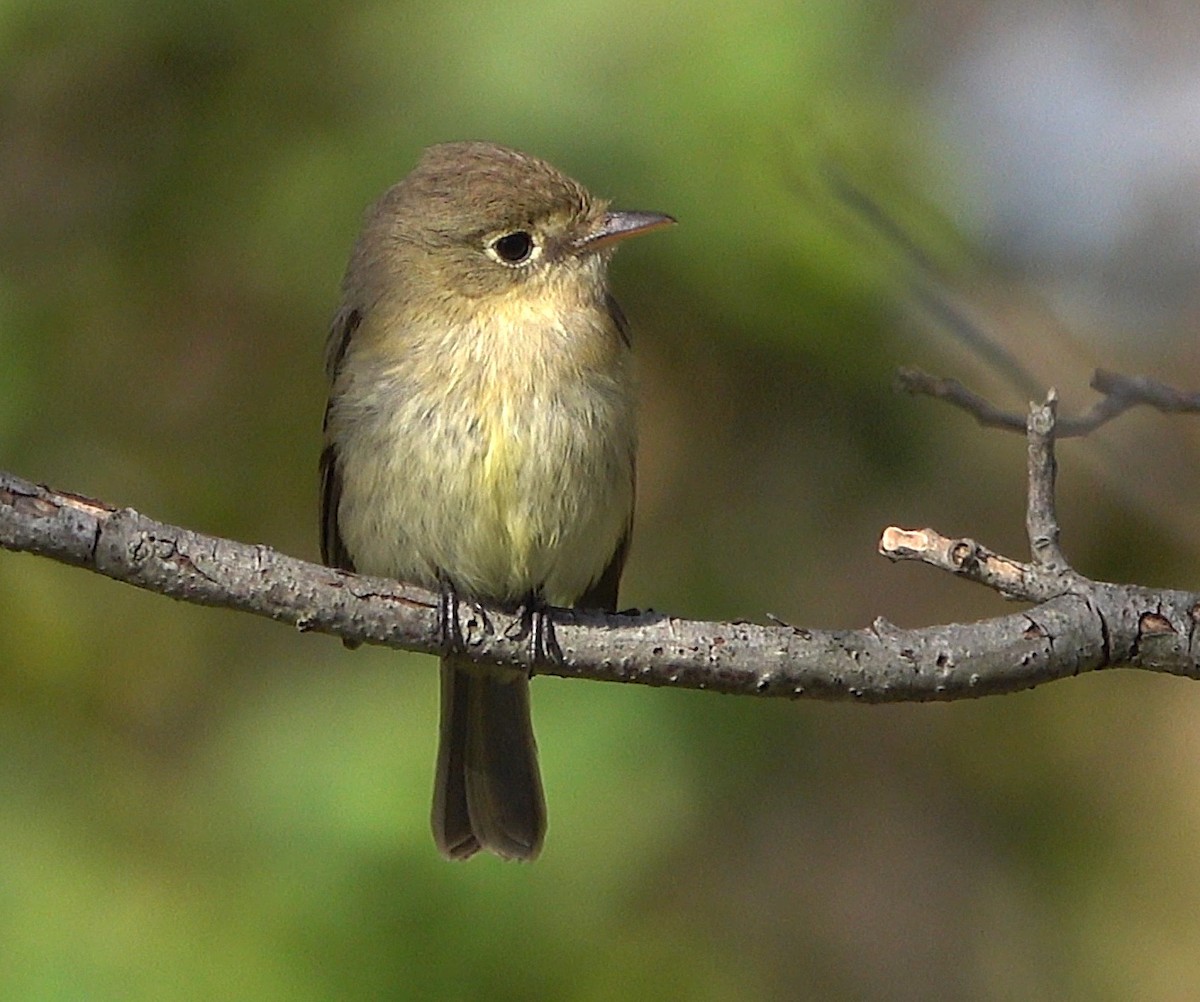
(1120, 393)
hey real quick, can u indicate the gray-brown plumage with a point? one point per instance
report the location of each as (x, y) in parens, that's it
(480, 436)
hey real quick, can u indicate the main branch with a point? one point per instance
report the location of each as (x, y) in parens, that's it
(1075, 624)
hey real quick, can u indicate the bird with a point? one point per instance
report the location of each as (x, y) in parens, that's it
(480, 437)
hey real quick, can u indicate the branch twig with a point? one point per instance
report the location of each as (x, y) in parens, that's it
(1041, 519)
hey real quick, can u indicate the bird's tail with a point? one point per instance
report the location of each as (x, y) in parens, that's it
(487, 791)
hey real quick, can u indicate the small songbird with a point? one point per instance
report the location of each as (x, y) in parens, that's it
(480, 437)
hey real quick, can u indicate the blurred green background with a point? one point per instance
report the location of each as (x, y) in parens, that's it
(196, 804)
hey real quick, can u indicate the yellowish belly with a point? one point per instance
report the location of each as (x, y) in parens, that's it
(503, 501)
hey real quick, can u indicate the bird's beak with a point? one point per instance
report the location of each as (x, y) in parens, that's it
(618, 226)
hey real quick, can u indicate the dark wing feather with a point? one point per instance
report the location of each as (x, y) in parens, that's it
(343, 327)
(618, 315)
(603, 592)
(333, 550)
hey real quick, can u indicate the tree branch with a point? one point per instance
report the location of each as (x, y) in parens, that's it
(1077, 624)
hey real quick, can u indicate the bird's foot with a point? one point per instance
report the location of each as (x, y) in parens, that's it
(536, 626)
(451, 636)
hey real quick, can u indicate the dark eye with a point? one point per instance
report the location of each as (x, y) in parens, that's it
(514, 248)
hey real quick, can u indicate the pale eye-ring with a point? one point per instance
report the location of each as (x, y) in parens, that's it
(513, 249)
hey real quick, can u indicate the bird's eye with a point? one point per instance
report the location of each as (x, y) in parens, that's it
(513, 248)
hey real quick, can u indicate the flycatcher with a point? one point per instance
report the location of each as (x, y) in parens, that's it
(480, 437)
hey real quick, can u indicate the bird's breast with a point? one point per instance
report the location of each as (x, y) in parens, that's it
(502, 458)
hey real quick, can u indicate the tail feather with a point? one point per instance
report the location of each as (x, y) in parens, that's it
(451, 820)
(488, 789)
